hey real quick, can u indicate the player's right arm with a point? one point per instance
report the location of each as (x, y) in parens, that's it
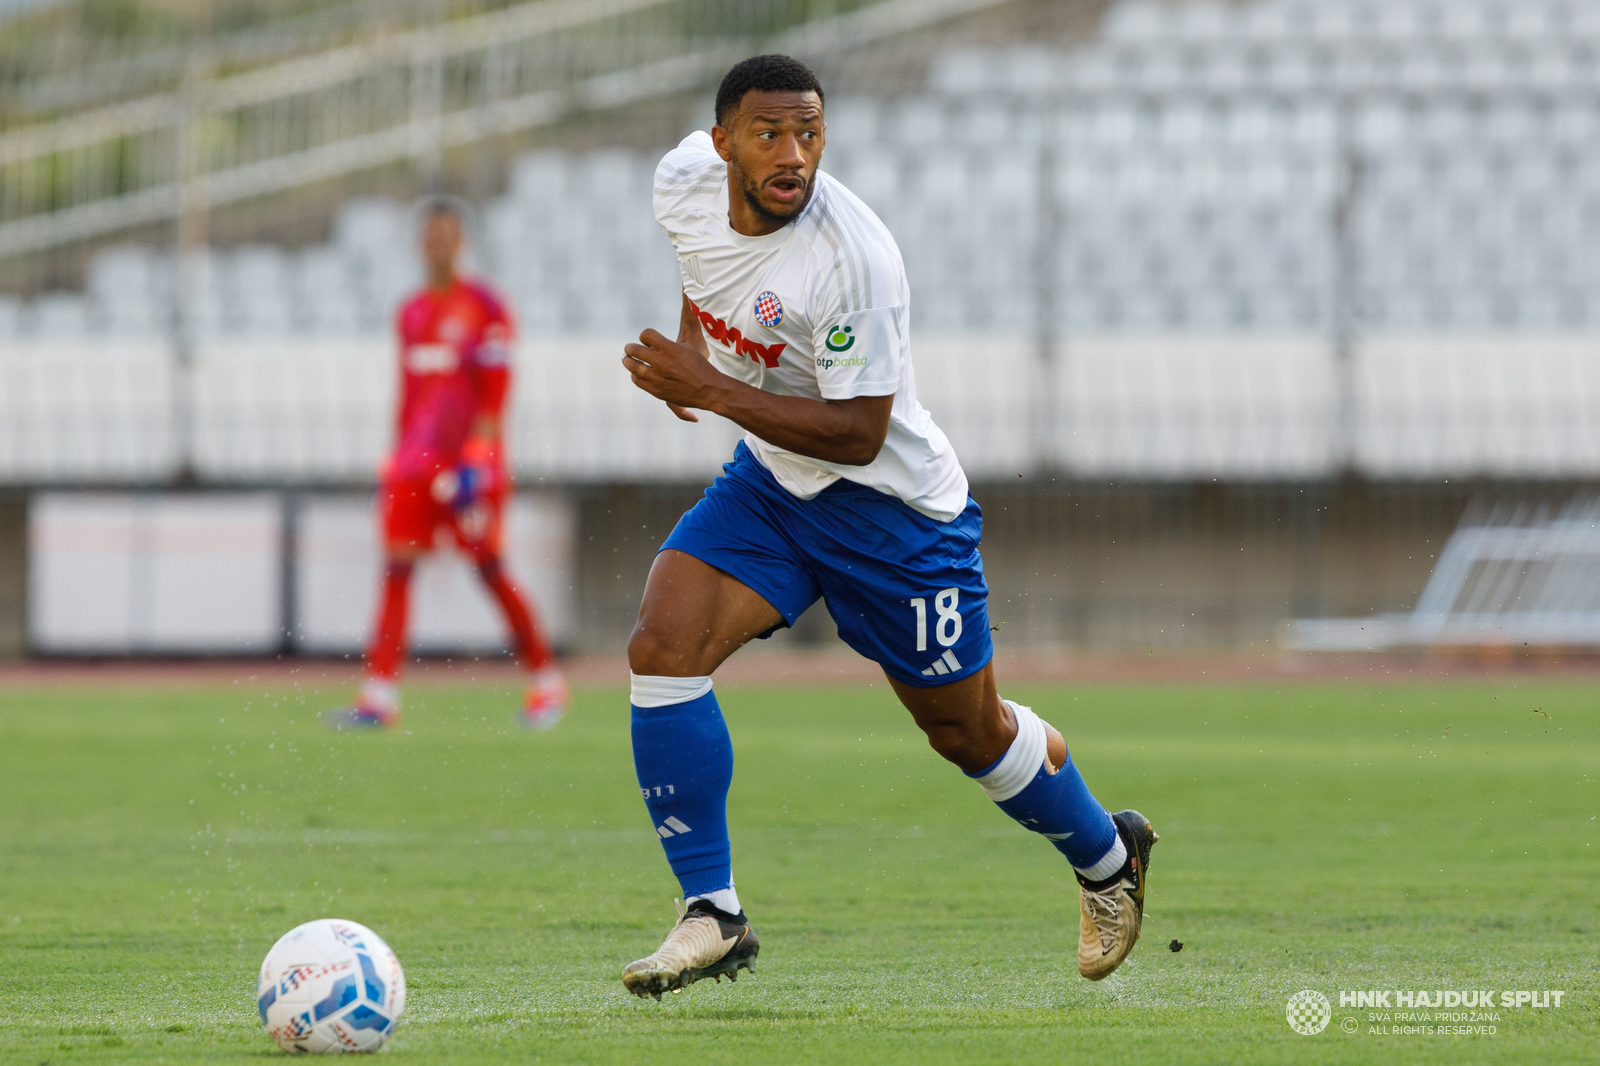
(691, 335)
(390, 462)
(848, 431)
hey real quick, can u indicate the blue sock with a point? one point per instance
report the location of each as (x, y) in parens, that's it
(1057, 806)
(684, 759)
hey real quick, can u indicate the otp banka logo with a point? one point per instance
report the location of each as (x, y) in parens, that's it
(839, 341)
(1308, 1012)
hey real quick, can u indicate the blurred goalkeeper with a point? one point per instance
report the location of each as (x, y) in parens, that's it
(448, 471)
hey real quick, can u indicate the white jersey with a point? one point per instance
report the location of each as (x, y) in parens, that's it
(820, 309)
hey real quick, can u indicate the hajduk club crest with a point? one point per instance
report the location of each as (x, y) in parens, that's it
(769, 309)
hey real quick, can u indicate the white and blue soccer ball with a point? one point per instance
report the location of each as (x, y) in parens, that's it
(330, 986)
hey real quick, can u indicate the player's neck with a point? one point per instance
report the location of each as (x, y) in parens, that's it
(746, 223)
(745, 220)
(441, 281)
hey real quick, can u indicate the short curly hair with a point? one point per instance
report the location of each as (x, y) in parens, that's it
(769, 73)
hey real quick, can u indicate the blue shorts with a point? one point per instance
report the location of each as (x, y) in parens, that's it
(905, 590)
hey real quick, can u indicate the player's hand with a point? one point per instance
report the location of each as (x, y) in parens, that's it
(476, 475)
(675, 373)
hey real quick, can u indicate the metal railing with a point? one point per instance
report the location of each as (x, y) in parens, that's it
(411, 95)
(1511, 574)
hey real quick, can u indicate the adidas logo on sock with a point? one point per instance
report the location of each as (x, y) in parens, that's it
(673, 826)
(943, 664)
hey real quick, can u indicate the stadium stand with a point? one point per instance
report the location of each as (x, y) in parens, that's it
(1267, 240)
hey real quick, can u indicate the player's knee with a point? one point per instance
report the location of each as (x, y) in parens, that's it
(402, 555)
(650, 655)
(955, 740)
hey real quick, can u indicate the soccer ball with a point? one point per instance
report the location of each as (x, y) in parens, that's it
(330, 986)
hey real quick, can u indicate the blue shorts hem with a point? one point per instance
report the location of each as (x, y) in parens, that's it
(924, 681)
(747, 575)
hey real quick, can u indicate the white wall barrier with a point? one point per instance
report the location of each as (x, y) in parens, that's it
(116, 573)
(1251, 406)
(338, 564)
(206, 573)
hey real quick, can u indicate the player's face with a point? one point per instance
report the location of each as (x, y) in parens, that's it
(441, 244)
(773, 145)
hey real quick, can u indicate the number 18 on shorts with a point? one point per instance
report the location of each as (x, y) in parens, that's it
(946, 629)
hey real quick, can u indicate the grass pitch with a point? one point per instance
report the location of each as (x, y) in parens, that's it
(153, 844)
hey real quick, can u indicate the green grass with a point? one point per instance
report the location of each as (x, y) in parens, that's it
(153, 844)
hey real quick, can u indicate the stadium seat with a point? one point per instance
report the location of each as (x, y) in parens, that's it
(122, 284)
(539, 178)
(915, 122)
(1136, 20)
(853, 121)
(324, 296)
(59, 316)
(1029, 71)
(957, 72)
(257, 291)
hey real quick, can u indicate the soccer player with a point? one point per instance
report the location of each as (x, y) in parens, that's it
(795, 325)
(448, 471)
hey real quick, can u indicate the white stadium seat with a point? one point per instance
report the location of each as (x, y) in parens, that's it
(959, 72)
(1137, 20)
(540, 178)
(852, 121)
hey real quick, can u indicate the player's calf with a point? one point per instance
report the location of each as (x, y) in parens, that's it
(1052, 801)
(684, 761)
(1042, 790)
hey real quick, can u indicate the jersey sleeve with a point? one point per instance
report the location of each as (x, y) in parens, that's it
(859, 318)
(684, 177)
(491, 359)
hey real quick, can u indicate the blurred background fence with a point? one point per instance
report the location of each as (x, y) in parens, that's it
(1230, 308)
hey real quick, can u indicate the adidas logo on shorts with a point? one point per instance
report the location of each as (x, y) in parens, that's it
(943, 664)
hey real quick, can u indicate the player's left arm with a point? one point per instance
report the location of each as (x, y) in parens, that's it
(491, 368)
(849, 432)
(482, 456)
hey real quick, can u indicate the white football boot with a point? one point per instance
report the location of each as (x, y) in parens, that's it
(706, 942)
(1111, 911)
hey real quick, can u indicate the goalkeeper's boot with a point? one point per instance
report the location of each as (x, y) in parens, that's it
(376, 706)
(545, 702)
(706, 942)
(362, 715)
(1111, 910)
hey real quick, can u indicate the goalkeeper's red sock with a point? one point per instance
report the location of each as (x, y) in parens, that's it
(389, 636)
(533, 650)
